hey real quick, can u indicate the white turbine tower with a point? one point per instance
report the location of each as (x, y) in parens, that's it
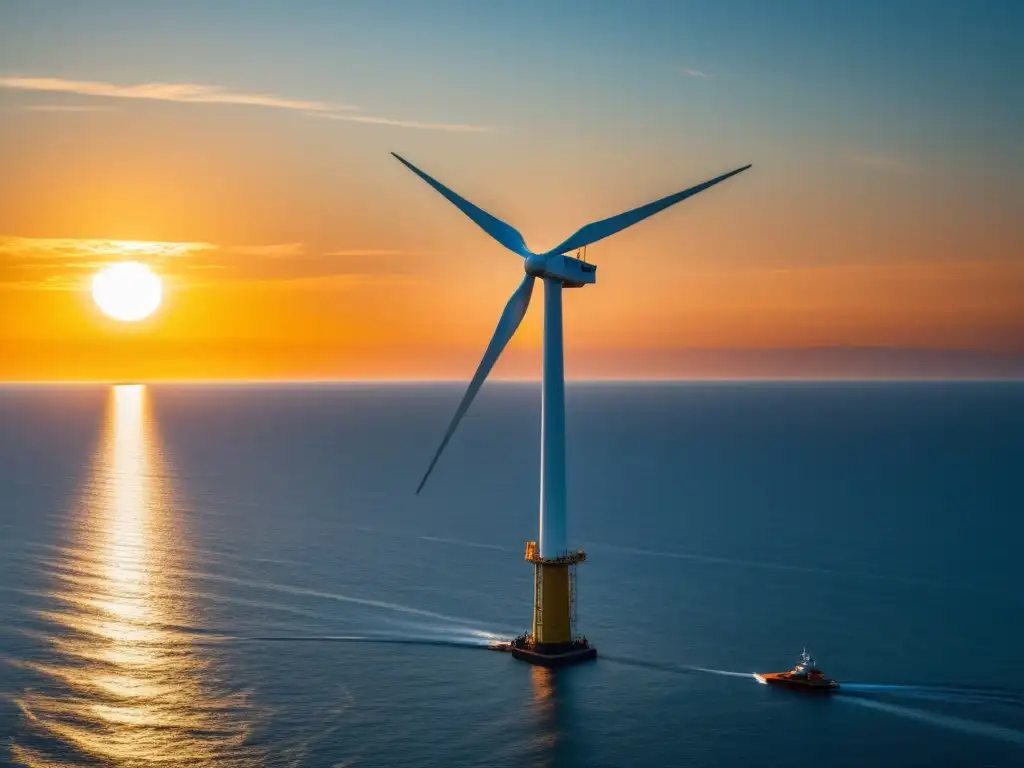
(551, 641)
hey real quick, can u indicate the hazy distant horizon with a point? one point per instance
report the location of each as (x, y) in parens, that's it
(524, 381)
(328, 365)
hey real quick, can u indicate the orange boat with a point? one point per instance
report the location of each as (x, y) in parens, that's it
(805, 676)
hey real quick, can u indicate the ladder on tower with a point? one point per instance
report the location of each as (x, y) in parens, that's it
(572, 599)
(538, 600)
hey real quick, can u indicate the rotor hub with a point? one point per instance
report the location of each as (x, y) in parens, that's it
(535, 265)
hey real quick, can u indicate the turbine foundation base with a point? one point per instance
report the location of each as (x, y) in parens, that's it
(553, 641)
(548, 658)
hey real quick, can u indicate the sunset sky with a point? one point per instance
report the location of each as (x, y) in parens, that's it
(241, 150)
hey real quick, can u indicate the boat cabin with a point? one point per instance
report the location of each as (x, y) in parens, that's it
(806, 668)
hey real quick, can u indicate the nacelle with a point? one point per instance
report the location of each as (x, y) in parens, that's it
(571, 272)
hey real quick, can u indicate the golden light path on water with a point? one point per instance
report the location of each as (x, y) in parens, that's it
(545, 709)
(125, 685)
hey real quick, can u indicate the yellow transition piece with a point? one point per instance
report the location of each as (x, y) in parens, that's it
(551, 608)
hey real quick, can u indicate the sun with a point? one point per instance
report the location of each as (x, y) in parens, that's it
(127, 291)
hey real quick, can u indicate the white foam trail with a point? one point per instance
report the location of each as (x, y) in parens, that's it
(943, 721)
(398, 639)
(467, 633)
(725, 672)
(293, 590)
(677, 668)
(952, 694)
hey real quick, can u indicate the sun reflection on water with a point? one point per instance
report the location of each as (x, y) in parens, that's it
(123, 683)
(545, 710)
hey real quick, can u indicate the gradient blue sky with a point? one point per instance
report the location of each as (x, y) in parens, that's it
(884, 208)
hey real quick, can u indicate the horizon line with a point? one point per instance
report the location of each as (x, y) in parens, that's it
(514, 380)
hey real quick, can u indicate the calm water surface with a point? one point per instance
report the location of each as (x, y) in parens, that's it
(221, 575)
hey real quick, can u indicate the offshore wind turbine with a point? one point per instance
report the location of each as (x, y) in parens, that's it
(551, 641)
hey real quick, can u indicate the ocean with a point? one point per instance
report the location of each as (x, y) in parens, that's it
(243, 575)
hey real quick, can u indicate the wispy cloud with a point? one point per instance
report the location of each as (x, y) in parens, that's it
(70, 248)
(68, 263)
(291, 263)
(65, 263)
(66, 108)
(190, 93)
(696, 73)
(883, 163)
(374, 120)
(193, 93)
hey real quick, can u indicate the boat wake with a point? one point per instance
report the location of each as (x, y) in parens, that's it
(952, 694)
(394, 639)
(874, 695)
(724, 672)
(682, 669)
(962, 725)
(419, 633)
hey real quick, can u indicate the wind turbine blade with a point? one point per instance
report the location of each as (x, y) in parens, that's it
(496, 228)
(602, 229)
(513, 315)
